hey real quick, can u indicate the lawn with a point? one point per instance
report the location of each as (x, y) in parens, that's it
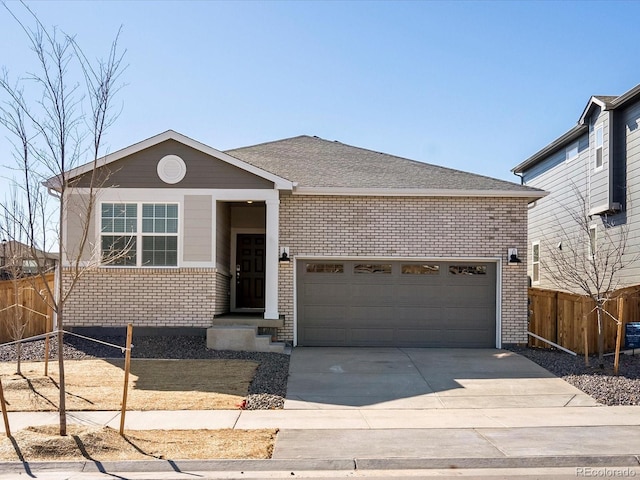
(105, 444)
(153, 385)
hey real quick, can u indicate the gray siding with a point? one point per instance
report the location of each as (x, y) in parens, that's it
(254, 216)
(223, 236)
(198, 218)
(630, 118)
(619, 181)
(547, 215)
(77, 207)
(203, 171)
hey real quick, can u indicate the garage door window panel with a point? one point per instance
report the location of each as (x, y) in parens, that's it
(468, 269)
(373, 268)
(422, 269)
(325, 268)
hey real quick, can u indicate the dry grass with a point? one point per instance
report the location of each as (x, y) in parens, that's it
(104, 444)
(153, 385)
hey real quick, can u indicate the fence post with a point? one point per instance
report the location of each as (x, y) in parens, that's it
(616, 363)
(127, 366)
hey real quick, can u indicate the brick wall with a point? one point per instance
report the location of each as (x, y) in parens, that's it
(409, 227)
(316, 226)
(223, 293)
(154, 297)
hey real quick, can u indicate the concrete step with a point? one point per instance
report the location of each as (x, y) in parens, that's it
(277, 347)
(241, 338)
(232, 337)
(264, 344)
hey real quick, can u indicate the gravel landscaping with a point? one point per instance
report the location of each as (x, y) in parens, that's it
(601, 384)
(267, 391)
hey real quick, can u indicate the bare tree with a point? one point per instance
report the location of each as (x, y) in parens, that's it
(58, 126)
(14, 314)
(19, 269)
(587, 256)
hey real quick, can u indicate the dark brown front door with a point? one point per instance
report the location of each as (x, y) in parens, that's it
(250, 251)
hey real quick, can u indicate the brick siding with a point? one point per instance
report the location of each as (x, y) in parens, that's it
(436, 227)
(153, 297)
(409, 227)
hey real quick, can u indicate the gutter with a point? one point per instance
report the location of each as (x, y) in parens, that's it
(528, 192)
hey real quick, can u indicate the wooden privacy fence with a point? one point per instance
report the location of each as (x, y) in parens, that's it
(36, 323)
(558, 317)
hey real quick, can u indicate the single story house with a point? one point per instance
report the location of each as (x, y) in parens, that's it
(321, 243)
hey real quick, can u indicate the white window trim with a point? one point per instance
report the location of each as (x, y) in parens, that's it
(139, 234)
(534, 262)
(593, 228)
(600, 128)
(574, 146)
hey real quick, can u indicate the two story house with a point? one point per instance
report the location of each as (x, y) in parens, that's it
(594, 168)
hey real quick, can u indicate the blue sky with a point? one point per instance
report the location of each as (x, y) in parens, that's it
(476, 86)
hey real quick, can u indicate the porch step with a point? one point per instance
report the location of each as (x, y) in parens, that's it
(241, 338)
(264, 341)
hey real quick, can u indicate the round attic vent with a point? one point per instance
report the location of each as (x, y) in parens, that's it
(171, 169)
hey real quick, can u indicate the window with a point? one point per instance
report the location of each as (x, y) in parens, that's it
(571, 152)
(139, 235)
(372, 268)
(468, 269)
(325, 268)
(535, 262)
(425, 269)
(119, 224)
(29, 267)
(159, 234)
(593, 240)
(599, 140)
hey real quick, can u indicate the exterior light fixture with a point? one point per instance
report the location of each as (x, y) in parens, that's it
(284, 255)
(512, 254)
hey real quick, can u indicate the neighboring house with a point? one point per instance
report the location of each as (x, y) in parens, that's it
(18, 260)
(599, 160)
(329, 244)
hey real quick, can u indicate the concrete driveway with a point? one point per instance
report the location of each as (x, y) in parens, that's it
(420, 378)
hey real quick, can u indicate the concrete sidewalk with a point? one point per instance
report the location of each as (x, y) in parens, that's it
(401, 434)
(366, 440)
(350, 419)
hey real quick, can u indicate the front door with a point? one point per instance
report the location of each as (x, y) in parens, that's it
(250, 256)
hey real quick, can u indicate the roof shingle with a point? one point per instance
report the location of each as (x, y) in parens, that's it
(318, 163)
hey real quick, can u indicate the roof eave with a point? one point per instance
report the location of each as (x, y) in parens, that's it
(529, 193)
(626, 97)
(587, 110)
(568, 137)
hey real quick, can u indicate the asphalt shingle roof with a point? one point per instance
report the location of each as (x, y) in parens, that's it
(315, 162)
(607, 99)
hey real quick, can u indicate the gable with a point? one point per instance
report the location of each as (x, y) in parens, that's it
(139, 170)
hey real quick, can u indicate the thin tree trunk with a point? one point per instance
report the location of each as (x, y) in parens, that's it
(63, 409)
(600, 337)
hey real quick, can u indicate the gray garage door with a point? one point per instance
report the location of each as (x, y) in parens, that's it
(401, 304)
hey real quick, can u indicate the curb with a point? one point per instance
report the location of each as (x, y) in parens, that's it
(181, 466)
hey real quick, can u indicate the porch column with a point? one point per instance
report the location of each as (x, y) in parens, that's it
(271, 262)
